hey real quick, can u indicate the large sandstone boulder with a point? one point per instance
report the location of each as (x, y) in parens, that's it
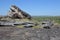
(15, 12)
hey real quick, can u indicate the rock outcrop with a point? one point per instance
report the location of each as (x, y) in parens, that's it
(15, 12)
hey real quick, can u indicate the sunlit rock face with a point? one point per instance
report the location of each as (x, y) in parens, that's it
(15, 12)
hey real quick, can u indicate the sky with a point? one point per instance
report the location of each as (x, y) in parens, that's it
(33, 7)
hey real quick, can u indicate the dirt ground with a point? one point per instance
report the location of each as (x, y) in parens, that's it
(13, 33)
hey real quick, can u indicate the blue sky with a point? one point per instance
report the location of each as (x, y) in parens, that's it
(33, 7)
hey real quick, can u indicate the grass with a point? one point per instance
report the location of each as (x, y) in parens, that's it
(20, 26)
(56, 19)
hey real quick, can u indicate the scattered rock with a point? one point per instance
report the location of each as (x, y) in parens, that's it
(47, 24)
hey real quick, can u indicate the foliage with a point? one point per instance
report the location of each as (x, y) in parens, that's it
(56, 19)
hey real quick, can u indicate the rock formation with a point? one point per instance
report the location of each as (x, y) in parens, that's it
(15, 12)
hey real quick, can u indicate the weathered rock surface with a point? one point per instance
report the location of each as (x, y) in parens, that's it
(16, 12)
(13, 33)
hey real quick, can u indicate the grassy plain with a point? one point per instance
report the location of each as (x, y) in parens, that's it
(56, 19)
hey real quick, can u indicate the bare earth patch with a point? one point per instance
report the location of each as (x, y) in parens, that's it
(13, 33)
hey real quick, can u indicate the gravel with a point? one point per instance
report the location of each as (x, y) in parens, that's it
(13, 33)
